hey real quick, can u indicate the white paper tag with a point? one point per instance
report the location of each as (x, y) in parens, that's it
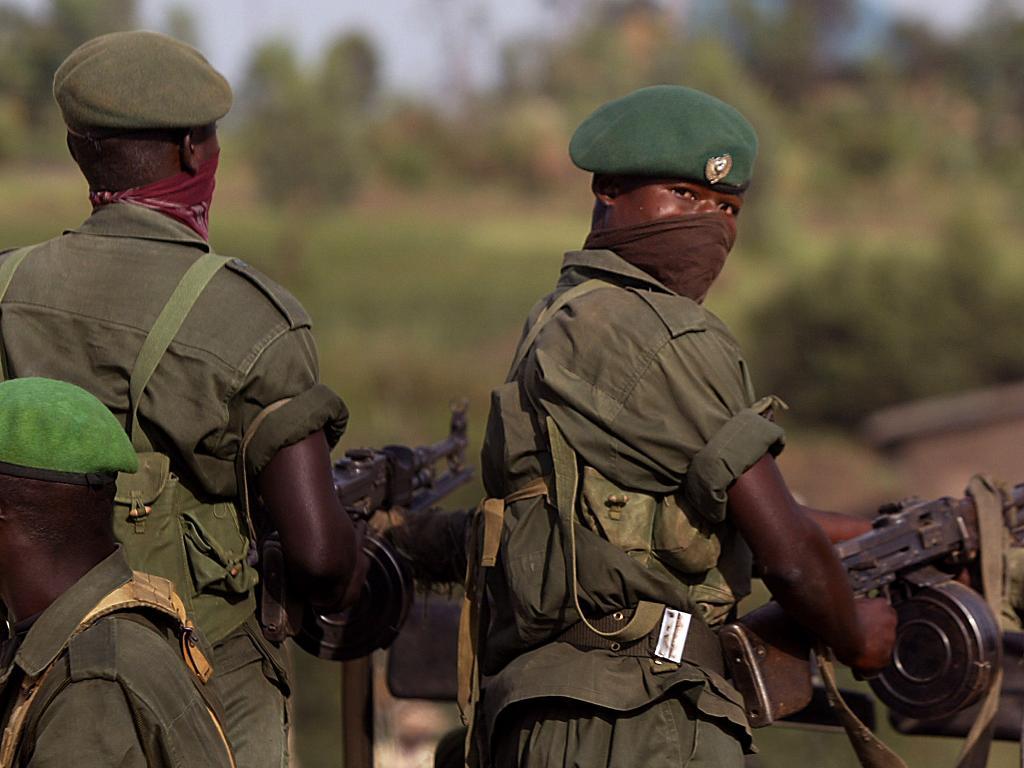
(675, 625)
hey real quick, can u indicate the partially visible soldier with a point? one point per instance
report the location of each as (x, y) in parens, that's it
(209, 365)
(103, 667)
(632, 472)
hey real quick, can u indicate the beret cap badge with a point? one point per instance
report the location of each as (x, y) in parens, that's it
(717, 168)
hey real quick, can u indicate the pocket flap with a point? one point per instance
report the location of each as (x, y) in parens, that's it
(146, 484)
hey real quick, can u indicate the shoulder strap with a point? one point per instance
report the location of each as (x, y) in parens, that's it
(647, 614)
(7, 270)
(166, 327)
(16, 721)
(549, 312)
(144, 590)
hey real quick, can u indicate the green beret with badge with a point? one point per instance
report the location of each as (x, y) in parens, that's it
(138, 81)
(55, 431)
(668, 131)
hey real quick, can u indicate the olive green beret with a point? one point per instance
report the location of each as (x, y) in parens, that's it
(668, 131)
(138, 80)
(51, 430)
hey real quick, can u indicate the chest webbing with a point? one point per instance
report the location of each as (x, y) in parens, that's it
(566, 467)
(141, 591)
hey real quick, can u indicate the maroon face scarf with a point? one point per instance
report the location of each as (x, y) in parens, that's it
(685, 253)
(184, 196)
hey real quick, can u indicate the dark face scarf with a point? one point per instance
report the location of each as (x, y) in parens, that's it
(184, 196)
(684, 253)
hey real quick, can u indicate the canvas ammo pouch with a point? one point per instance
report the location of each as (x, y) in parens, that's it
(647, 526)
(201, 546)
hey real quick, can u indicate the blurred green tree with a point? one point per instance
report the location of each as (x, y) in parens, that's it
(869, 329)
(788, 44)
(181, 24)
(32, 46)
(305, 129)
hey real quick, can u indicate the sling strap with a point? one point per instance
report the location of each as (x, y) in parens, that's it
(871, 751)
(7, 270)
(241, 469)
(141, 591)
(160, 336)
(989, 501)
(549, 312)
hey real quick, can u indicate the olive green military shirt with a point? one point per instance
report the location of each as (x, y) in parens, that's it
(80, 306)
(119, 693)
(650, 389)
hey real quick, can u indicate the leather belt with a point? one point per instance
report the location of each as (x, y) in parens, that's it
(702, 647)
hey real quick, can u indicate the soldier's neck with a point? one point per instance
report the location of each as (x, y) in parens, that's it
(32, 578)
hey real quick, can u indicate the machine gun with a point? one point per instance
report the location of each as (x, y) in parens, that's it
(947, 640)
(367, 480)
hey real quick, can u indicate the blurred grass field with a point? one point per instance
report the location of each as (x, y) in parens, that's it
(417, 300)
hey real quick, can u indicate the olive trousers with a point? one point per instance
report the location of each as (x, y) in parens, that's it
(249, 678)
(562, 733)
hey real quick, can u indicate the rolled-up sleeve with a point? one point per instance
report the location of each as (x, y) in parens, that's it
(287, 370)
(739, 444)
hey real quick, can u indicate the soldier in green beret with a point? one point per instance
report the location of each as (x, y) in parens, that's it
(103, 666)
(207, 364)
(632, 475)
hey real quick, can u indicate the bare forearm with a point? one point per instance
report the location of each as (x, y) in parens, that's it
(797, 560)
(812, 586)
(318, 538)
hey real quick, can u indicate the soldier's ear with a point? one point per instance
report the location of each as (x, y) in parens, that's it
(187, 153)
(605, 188)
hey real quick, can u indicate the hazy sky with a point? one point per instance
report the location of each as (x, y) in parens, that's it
(423, 42)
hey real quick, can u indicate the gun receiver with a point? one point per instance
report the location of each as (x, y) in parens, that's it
(910, 555)
(366, 481)
(911, 534)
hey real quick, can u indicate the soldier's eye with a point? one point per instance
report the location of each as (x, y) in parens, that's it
(685, 193)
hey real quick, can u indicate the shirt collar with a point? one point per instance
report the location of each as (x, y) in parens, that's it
(128, 220)
(52, 631)
(578, 266)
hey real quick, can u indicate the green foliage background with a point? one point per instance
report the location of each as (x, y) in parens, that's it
(878, 260)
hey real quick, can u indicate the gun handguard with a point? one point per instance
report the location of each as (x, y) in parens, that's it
(913, 549)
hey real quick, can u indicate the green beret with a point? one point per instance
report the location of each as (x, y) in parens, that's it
(138, 80)
(668, 131)
(51, 430)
